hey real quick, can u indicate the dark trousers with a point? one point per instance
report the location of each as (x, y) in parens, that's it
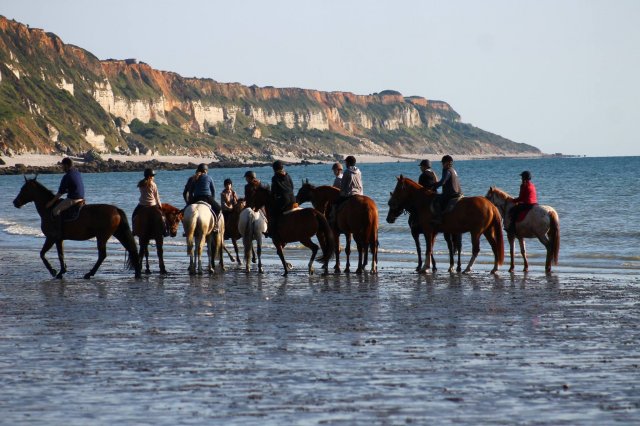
(207, 199)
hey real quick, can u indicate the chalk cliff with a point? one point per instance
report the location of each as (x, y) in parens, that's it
(56, 97)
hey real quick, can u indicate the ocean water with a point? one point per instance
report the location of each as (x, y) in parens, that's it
(596, 198)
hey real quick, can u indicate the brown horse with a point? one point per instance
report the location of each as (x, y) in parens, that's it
(148, 225)
(95, 220)
(231, 219)
(475, 215)
(358, 216)
(296, 225)
(541, 222)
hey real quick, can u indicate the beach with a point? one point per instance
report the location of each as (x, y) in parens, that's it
(393, 348)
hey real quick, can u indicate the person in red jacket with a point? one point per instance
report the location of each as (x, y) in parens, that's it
(525, 201)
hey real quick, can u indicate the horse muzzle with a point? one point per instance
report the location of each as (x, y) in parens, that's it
(18, 203)
(391, 218)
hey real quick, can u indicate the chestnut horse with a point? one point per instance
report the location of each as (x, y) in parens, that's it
(475, 215)
(358, 216)
(148, 225)
(94, 220)
(231, 230)
(296, 225)
(541, 222)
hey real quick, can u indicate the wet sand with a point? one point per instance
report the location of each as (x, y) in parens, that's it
(396, 348)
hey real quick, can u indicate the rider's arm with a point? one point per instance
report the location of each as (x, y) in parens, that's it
(445, 177)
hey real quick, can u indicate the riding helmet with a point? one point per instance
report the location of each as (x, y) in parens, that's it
(149, 173)
(250, 174)
(202, 168)
(425, 163)
(526, 175)
(278, 165)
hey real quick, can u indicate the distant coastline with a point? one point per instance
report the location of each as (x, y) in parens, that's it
(47, 164)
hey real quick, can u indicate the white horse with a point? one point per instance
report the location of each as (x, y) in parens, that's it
(199, 223)
(541, 222)
(251, 225)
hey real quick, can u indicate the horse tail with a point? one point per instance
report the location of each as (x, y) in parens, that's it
(554, 236)
(496, 230)
(125, 236)
(325, 238)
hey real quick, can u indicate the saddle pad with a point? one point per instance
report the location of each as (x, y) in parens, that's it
(72, 213)
(295, 209)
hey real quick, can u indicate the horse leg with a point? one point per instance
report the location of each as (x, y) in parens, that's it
(347, 252)
(415, 233)
(279, 250)
(314, 250)
(160, 252)
(231, 258)
(144, 253)
(235, 248)
(511, 238)
(63, 265)
(211, 253)
(102, 254)
(374, 256)
(523, 252)
(336, 250)
(447, 238)
(192, 263)
(546, 242)
(259, 250)
(48, 243)
(360, 257)
(457, 239)
(475, 249)
(428, 254)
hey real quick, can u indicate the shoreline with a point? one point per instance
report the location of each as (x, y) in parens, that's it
(46, 164)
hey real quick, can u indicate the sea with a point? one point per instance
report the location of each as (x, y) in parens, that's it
(596, 199)
(395, 347)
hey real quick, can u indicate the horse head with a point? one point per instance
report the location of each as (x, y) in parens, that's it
(173, 216)
(259, 196)
(397, 201)
(304, 193)
(29, 192)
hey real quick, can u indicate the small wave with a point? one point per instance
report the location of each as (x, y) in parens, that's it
(14, 228)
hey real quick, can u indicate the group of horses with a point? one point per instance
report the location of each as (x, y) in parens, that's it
(356, 217)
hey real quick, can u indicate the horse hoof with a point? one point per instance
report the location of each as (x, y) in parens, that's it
(148, 272)
(359, 271)
(261, 271)
(138, 275)
(164, 272)
(59, 276)
(311, 271)
(87, 275)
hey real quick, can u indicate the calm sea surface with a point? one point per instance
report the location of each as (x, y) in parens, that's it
(597, 200)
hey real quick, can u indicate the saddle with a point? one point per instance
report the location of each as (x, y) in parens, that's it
(524, 212)
(292, 208)
(72, 213)
(435, 205)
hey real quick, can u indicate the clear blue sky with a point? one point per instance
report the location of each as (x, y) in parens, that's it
(559, 75)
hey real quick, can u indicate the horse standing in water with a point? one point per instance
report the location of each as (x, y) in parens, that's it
(475, 215)
(148, 225)
(296, 225)
(358, 216)
(251, 225)
(541, 222)
(94, 220)
(199, 225)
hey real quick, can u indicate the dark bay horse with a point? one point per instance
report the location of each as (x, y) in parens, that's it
(475, 215)
(296, 225)
(541, 222)
(358, 216)
(95, 220)
(232, 219)
(148, 225)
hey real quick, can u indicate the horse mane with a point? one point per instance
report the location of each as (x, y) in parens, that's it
(416, 185)
(41, 187)
(500, 193)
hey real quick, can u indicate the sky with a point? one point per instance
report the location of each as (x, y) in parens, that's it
(560, 75)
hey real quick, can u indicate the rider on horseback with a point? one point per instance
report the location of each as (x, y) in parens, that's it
(428, 180)
(282, 190)
(202, 189)
(149, 197)
(527, 198)
(337, 171)
(228, 199)
(351, 185)
(450, 188)
(72, 185)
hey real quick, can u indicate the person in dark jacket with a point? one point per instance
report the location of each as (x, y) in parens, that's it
(72, 185)
(450, 187)
(428, 177)
(282, 192)
(527, 198)
(337, 172)
(202, 189)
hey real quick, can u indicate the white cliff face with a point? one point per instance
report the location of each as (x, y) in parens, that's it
(143, 110)
(65, 86)
(407, 117)
(53, 133)
(364, 120)
(315, 120)
(291, 119)
(96, 141)
(210, 114)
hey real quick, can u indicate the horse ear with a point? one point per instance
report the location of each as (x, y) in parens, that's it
(307, 182)
(398, 177)
(391, 193)
(25, 177)
(35, 177)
